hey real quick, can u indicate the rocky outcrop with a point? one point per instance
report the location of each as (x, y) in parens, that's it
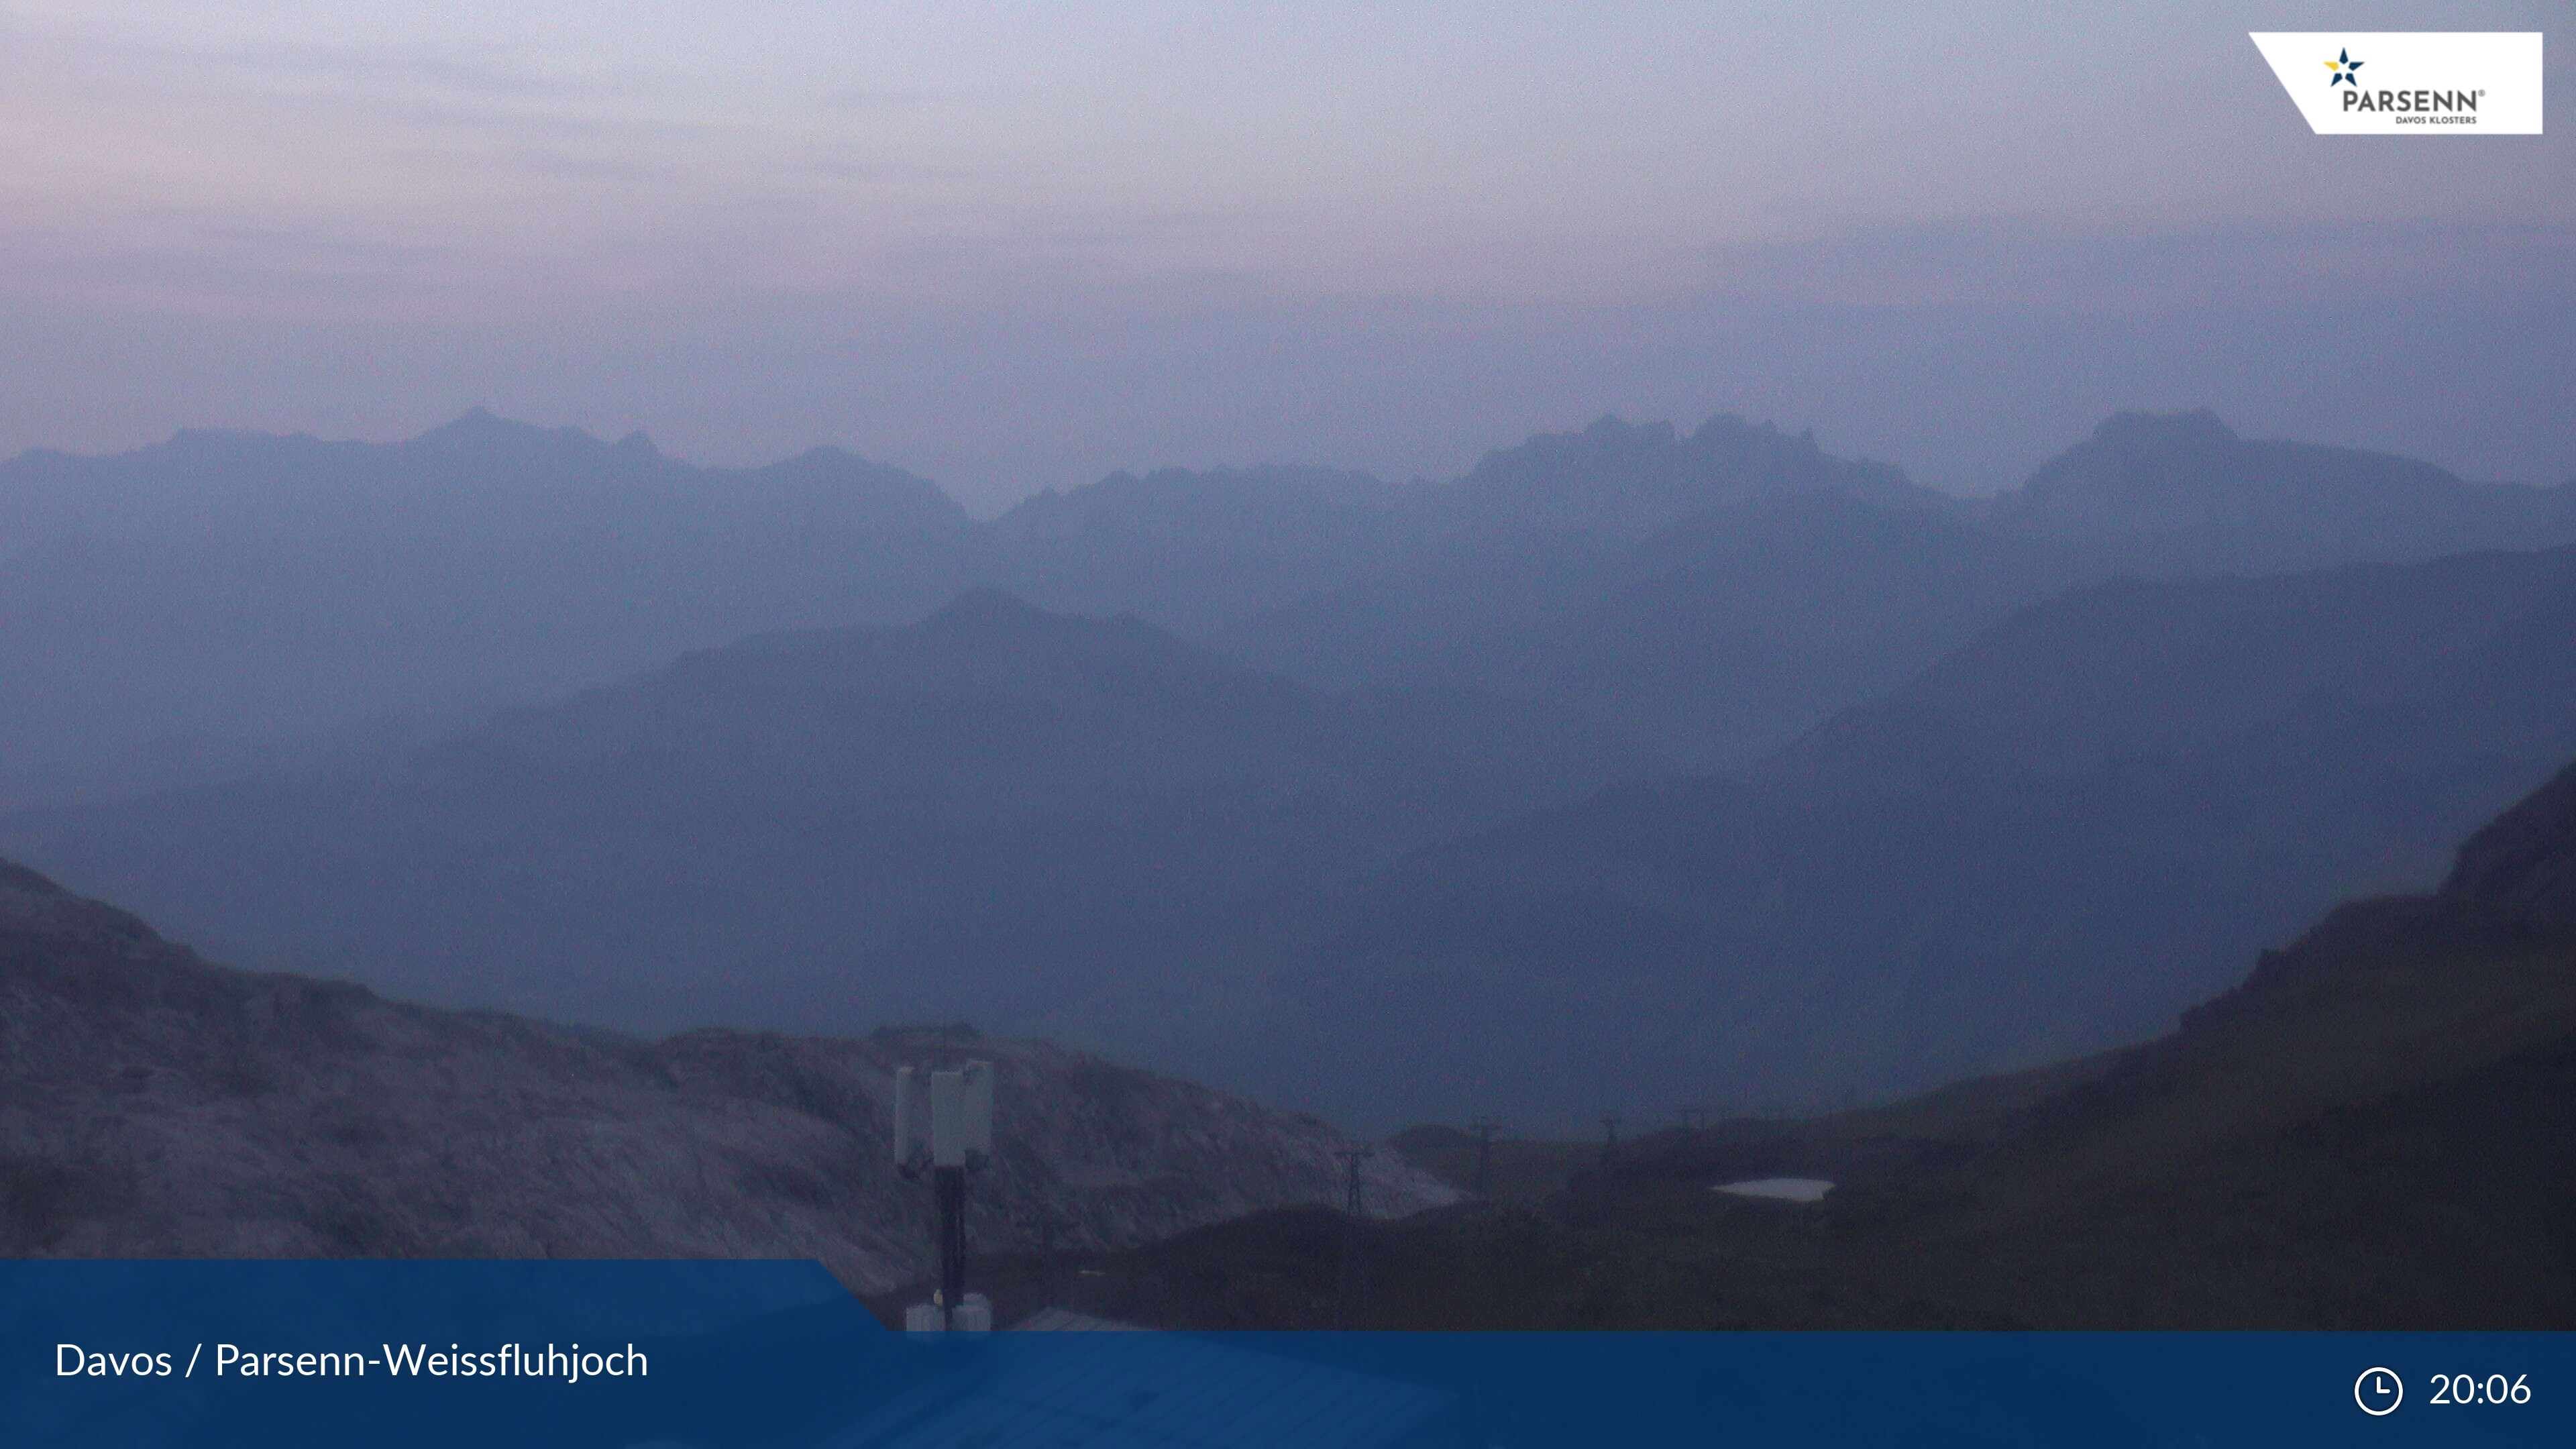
(152, 1104)
(2522, 868)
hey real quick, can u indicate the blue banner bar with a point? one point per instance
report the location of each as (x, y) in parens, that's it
(500, 1355)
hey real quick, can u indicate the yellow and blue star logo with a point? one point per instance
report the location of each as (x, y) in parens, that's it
(2343, 66)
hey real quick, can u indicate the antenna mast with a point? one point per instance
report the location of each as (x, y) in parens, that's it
(961, 1140)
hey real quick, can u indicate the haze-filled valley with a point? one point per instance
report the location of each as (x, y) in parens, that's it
(1633, 767)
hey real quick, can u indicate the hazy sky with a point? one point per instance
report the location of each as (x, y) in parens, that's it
(1014, 246)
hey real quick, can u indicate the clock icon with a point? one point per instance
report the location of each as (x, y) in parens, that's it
(2378, 1392)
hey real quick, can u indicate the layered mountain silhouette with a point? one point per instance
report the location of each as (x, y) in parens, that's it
(2052, 841)
(1724, 636)
(225, 596)
(1760, 585)
(2183, 492)
(1312, 815)
(1557, 529)
(1196, 551)
(999, 813)
(250, 588)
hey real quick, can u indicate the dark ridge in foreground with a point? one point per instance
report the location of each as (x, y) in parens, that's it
(2370, 1132)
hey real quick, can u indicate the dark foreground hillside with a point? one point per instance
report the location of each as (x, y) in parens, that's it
(152, 1104)
(2373, 1130)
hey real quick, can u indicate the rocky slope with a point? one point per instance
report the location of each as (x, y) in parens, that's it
(154, 1104)
(2369, 1132)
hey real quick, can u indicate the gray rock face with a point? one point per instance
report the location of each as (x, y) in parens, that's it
(152, 1104)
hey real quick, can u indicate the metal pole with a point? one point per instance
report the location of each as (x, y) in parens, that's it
(1348, 1294)
(950, 1183)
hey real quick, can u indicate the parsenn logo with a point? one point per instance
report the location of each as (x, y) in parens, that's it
(2346, 71)
(2451, 83)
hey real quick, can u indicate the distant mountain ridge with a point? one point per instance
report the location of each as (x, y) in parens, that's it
(2184, 491)
(2047, 844)
(1023, 817)
(1722, 637)
(1194, 551)
(1783, 584)
(1341, 580)
(479, 470)
(247, 590)
(1897, 786)
(254, 588)
(243, 588)
(1634, 478)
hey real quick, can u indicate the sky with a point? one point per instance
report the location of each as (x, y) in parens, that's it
(1017, 246)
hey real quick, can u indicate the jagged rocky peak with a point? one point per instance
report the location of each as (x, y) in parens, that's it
(1621, 477)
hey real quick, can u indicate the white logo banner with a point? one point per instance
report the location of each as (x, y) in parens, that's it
(2438, 83)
